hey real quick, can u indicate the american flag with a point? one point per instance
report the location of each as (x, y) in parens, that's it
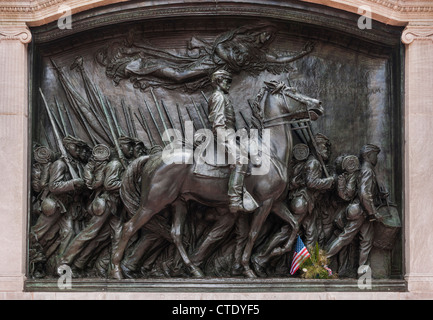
(301, 253)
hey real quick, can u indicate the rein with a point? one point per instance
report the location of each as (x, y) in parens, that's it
(268, 125)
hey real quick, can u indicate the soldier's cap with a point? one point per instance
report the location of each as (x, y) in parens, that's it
(139, 143)
(301, 151)
(321, 137)
(73, 140)
(369, 148)
(43, 155)
(126, 140)
(221, 74)
(350, 163)
(101, 152)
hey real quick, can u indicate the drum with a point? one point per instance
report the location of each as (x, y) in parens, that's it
(385, 232)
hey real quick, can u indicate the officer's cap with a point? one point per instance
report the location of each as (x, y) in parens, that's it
(221, 74)
(369, 148)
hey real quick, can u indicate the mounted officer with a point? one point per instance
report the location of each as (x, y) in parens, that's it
(222, 119)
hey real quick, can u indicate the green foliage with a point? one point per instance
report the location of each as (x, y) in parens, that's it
(312, 268)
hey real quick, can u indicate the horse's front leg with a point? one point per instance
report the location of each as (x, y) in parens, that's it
(256, 225)
(179, 215)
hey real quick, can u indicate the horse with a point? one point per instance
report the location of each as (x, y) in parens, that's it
(173, 183)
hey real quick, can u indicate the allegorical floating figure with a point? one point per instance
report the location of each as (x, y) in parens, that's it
(242, 49)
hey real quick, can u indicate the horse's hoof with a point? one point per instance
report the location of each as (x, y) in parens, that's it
(197, 273)
(236, 270)
(250, 274)
(277, 252)
(258, 267)
(116, 273)
(127, 272)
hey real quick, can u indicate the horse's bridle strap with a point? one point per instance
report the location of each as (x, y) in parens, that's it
(282, 122)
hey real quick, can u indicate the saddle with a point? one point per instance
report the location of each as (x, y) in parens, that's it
(204, 168)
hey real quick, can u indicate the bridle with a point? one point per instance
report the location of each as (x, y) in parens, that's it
(267, 123)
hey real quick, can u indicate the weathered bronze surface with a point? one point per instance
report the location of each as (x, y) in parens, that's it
(119, 115)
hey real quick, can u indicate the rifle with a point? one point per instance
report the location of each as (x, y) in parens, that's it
(116, 142)
(58, 139)
(154, 121)
(203, 123)
(181, 121)
(159, 110)
(144, 126)
(61, 117)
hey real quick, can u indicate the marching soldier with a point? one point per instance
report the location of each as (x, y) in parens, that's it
(316, 185)
(66, 204)
(299, 203)
(362, 209)
(44, 231)
(104, 178)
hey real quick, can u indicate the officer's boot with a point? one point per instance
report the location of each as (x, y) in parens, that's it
(235, 192)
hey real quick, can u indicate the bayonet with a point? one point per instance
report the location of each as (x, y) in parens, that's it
(57, 122)
(204, 96)
(116, 142)
(126, 116)
(114, 117)
(159, 110)
(134, 128)
(145, 130)
(181, 121)
(169, 119)
(245, 120)
(146, 127)
(199, 114)
(68, 115)
(191, 118)
(62, 120)
(154, 121)
(58, 139)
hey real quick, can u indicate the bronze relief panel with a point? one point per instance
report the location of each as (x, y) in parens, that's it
(219, 148)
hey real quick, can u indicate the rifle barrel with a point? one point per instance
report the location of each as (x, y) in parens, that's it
(198, 113)
(58, 139)
(116, 142)
(154, 121)
(146, 128)
(62, 120)
(181, 121)
(159, 109)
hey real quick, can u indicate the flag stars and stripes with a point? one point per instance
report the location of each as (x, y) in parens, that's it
(300, 255)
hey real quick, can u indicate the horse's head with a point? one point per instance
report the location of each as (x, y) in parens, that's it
(287, 101)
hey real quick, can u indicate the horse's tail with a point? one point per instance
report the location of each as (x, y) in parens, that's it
(130, 189)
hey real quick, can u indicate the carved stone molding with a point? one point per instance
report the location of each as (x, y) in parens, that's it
(21, 33)
(39, 12)
(412, 33)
